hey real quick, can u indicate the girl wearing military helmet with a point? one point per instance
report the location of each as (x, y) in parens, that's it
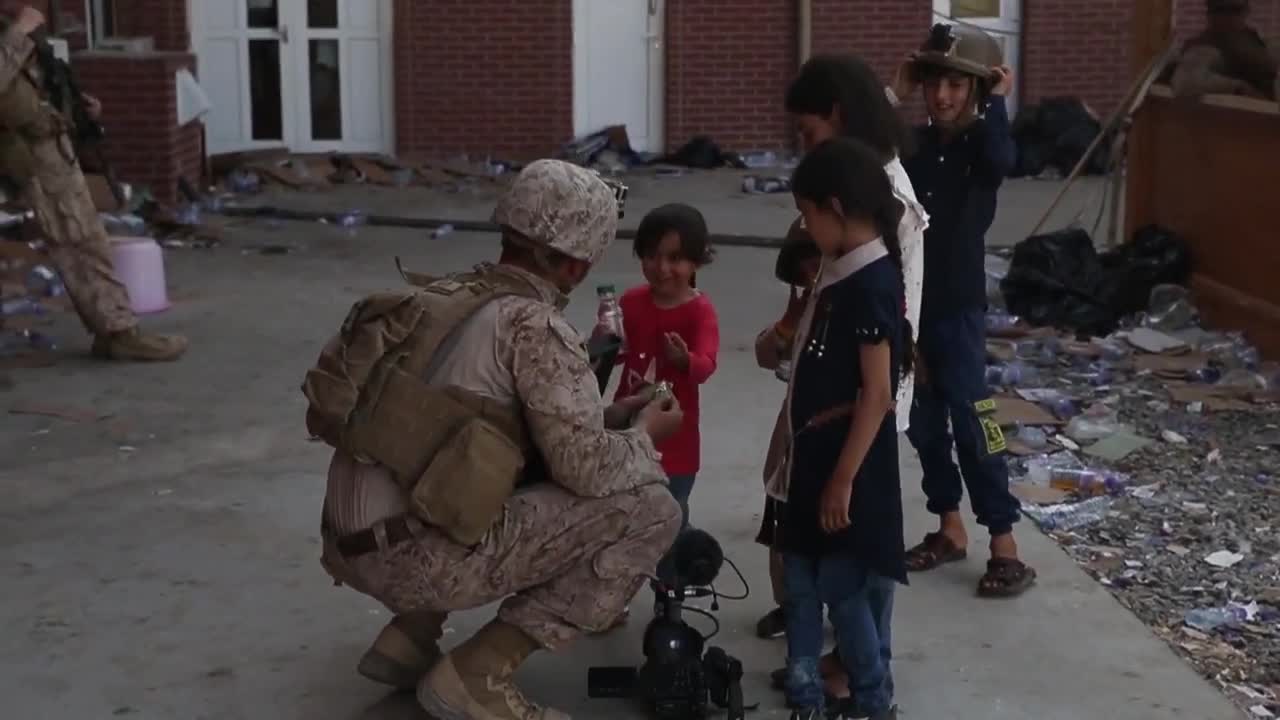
(963, 156)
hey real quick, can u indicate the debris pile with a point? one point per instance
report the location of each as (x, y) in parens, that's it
(1150, 454)
(30, 292)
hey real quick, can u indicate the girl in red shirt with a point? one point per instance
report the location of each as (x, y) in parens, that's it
(672, 333)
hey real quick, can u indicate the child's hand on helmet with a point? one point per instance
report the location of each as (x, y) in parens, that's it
(904, 79)
(1004, 80)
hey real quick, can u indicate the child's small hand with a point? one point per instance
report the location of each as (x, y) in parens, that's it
(833, 511)
(904, 79)
(677, 350)
(1004, 82)
(795, 308)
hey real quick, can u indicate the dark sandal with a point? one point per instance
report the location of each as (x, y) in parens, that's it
(936, 550)
(1005, 578)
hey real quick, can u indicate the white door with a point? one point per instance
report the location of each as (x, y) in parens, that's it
(311, 75)
(1002, 19)
(618, 69)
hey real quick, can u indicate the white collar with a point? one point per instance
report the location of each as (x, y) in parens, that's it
(833, 271)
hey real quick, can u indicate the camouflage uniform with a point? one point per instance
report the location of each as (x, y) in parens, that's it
(37, 152)
(568, 555)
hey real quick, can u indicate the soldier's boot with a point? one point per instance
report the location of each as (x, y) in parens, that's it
(474, 681)
(133, 346)
(405, 650)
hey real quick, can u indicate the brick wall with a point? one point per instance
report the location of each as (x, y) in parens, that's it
(163, 20)
(140, 113)
(728, 65)
(882, 32)
(483, 76)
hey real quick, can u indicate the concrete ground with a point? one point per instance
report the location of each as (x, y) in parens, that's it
(160, 545)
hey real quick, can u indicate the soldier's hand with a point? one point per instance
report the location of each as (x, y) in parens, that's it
(661, 418)
(1004, 81)
(29, 20)
(618, 415)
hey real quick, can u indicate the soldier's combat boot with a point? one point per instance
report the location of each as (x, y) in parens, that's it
(404, 651)
(133, 346)
(474, 681)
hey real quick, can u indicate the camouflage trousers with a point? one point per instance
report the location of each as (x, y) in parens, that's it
(565, 564)
(78, 245)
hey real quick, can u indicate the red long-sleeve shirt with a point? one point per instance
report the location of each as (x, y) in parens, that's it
(645, 324)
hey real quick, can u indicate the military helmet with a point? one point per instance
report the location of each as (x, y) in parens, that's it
(564, 207)
(961, 48)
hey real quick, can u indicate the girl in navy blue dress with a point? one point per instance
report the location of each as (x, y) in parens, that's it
(841, 530)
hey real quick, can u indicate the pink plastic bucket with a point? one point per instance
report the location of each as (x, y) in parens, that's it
(139, 264)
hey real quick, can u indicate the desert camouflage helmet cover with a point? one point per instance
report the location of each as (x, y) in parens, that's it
(561, 206)
(961, 48)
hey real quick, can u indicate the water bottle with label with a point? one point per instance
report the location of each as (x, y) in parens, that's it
(609, 313)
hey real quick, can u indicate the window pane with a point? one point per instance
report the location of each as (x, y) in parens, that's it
(975, 8)
(326, 92)
(322, 13)
(264, 13)
(264, 90)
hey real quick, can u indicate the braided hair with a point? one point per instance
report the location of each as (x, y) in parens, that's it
(850, 171)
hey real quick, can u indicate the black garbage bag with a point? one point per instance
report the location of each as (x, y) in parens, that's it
(1154, 257)
(1053, 281)
(1059, 279)
(1056, 133)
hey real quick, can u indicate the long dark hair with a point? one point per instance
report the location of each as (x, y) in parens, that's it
(847, 83)
(849, 171)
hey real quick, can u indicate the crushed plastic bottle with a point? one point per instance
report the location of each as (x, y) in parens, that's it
(1001, 322)
(1031, 436)
(442, 231)
(1039, 469)
(1208, 374)
(1210, 619)
(1095, 424)
(1170, 309)
(187, 215)
(127, 225)
(44, 281)
(21, 306)
(760, 159)
(243, 182)
(1069, 516)
(1114, 350)
(1245, 379)
(23, 341)
(1011, 374)
(756, 185)
(351, 220)
(997, 268)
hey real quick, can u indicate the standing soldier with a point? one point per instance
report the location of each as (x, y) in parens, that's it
(524, 492)
(1230, 57)
(37, 152)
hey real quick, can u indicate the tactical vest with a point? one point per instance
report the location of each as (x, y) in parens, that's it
(26, 117)
(459, 455)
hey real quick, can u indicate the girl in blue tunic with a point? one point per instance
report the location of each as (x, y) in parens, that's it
(841, 530)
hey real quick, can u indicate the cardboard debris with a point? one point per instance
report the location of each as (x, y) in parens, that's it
(1038, 494)
(1150, 341)
(1177, 366)
(1016, 411)
(1001, 350)
(1117, 446)
(1214, 398)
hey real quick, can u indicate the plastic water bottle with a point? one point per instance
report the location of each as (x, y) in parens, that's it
(21, 306)
(1071, 516)
(43, 281)
(1001, 322)
(1086, 481)
(608, 312)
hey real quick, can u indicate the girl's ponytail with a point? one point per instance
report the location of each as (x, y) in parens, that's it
(887, 218)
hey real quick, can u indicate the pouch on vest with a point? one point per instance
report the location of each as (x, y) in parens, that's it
(465, 487)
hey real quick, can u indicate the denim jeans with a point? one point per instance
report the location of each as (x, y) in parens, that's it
(860, 605)
(954, 352)
(681, 487)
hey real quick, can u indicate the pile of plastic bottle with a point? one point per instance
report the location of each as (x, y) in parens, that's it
(39, 282)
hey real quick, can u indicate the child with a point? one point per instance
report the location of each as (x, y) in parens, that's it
(672, 334)
(798, 265)
(841, 96)
(841, 530)
(963, 158)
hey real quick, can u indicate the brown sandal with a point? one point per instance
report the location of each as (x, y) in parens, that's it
(1005, 578)
(936, 550)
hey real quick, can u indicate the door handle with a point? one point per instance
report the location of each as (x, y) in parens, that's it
(653, 7)
(283, 32)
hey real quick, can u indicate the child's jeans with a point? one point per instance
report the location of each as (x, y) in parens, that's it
(860, 604)
(681, 487)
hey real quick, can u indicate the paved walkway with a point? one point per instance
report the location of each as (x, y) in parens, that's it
(161, 563)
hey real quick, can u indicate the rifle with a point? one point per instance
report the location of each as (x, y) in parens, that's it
(62, 88)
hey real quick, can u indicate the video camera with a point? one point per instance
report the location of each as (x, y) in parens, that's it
(681, 678)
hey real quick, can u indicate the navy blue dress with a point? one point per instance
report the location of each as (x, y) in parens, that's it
(865, 308)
